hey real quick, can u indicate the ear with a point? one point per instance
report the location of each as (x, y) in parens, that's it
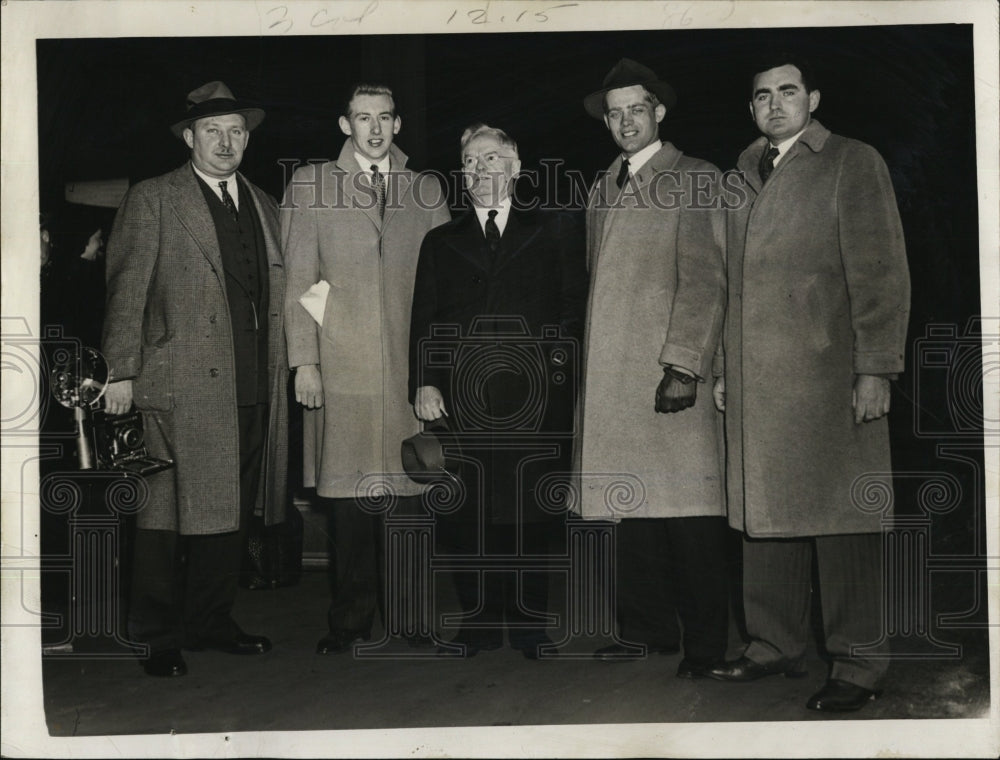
(813, 100)
(345, 125)
(607, 123)
(515, 167)
(753, 115)
(396, 124)
(188, 136)
(659, 112)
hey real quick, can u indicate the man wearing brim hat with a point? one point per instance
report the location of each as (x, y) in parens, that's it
(194, 338)
(655, 250)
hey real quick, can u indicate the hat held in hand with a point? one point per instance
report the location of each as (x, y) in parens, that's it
(424, 458)
(628, 73)
(215, 99)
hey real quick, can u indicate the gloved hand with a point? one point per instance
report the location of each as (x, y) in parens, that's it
(676, 391)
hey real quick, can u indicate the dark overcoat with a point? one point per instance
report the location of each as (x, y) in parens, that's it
(657, 296)
(819, 292)
(331, 230)
(167, 326)
(500, 341)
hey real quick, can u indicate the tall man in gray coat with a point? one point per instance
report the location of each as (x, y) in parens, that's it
(354, 226)
(194, 336)
(649, 451)
(816, 327)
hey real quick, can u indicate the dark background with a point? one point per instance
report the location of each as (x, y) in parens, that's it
(105, 106)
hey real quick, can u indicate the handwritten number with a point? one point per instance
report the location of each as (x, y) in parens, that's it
(283, 10)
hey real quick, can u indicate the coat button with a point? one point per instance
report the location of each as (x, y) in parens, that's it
(213, 372)
(477, 279)
(212, 319)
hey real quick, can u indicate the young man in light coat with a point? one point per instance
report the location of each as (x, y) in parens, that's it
(648, 454)
(356, 224)
(816, 327)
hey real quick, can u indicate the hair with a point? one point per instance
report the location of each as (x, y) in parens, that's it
(480, 130)
(776, 60)
(649, 97)
(368, 89)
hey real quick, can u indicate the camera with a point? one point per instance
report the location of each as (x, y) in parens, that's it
(503, 381)
(119, 444)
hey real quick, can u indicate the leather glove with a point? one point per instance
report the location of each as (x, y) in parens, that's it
(676, 391)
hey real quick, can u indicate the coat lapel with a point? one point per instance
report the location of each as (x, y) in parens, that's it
(468, 240)
(269, 222)
(664, 159)
(521, 229)
(192, 211)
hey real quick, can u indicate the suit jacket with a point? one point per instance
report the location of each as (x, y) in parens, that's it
(167, 325)
(501, 343)
(331, 230)
(818, 292)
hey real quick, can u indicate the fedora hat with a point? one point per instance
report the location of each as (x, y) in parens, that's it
(424, 458)
(215, 99)
(627, 73)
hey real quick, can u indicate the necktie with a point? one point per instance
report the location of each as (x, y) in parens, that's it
(492, 234)
(767, 163)
(378, 185)
(622, 174)
(227, 200)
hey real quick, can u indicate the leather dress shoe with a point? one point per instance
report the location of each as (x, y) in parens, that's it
(240, 643)
(745, 669)
(841, 696)
(695, 669)
(621, 653)
(341, 640)
(165, 664)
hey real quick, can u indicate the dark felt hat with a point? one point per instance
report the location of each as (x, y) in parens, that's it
(627, 73)
(424, 458)
(215, 99)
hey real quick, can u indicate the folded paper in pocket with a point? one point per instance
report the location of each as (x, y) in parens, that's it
(314, 300)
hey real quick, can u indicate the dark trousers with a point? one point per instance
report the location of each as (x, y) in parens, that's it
(777, 581)
(503, 596)
(184, 586)
(669, 569)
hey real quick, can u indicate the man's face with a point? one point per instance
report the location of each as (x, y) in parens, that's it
(780, 105)
(489, 169)
(371, 126)
(217, 143)
(633, 121)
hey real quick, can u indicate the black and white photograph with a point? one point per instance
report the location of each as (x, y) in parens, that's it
(503, 378)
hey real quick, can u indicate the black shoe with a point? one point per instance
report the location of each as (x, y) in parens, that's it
(621, 652)
(841, 696)
(240, 643)
(473, 644)
(694, 669)
(341, 640)
(165, 664)
(745, 669)
(529, 648)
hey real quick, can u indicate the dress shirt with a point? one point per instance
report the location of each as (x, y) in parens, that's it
(232, 186)
(636, 162)
(784, 145)
(503, 213)
(366, 165)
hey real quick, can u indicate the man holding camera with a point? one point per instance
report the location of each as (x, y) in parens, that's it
(655, 247)
(816, 327)
(500, 290)
(194, 336)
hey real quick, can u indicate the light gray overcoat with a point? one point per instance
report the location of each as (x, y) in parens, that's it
(167, 325)
(331, 230)
(818, 292)
(657, 296)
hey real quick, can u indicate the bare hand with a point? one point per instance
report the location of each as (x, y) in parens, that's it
(672, 395)
(719, 393)
(870, 398)
(309, 386)
(118, 397)
(428, 404)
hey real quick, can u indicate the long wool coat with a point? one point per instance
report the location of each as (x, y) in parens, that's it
(167, 325)
(331, 230)
(657, 296)
(500, 340)
(818, 292)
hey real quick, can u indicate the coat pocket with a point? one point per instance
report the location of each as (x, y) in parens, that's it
(153, 388)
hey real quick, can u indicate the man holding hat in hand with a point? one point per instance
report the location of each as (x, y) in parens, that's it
(655, 237)
(194, 338)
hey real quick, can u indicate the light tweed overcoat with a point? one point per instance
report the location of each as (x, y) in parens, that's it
(657, 296)
(818, 292)
(167, 325)
(331, 230)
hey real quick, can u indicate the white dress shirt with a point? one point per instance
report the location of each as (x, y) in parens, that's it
(503, 213)
(636, 162)
(232, 186)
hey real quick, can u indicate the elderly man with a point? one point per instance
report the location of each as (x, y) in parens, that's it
(657, 295)
(500, 290)
(816, 327)
(194, 336)
(354, 225)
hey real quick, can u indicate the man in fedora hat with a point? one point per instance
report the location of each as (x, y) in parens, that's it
(657, 295)
(194, 338)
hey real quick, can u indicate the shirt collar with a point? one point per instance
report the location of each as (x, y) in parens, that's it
(213, 182)
(503, 213)
(366, 164)
(784, 145)
(636, 162)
